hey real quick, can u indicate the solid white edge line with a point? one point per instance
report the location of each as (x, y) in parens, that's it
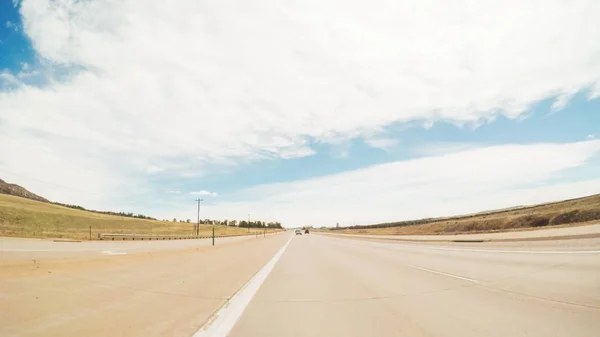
(497, 251)
(221, 323)
(112, 252)
(445, 274)
(507, 251)
(92, 249)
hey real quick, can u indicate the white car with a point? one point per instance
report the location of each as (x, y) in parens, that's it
(298, 232)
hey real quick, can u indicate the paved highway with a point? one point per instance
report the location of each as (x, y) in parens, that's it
(321, 286)
(144, 293)
(327, 286)
(12, 249)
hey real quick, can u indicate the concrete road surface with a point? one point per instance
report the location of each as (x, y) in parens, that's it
(149, 293)
(321, 286)
(12, 249)
(330, 286)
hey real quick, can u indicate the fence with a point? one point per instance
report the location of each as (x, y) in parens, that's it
(112, 237)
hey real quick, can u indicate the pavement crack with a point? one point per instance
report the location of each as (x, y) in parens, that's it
(542, 298)
(360, 299)
(158, 292)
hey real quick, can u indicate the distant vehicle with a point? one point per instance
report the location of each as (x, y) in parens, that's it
(298, 232)
(306, 231)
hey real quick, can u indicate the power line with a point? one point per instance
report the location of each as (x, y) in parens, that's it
(105, 196)
(44, 182)
(29, 143)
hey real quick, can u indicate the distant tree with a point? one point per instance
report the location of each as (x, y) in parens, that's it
(233, 223)
(174, 220)
(188, 220)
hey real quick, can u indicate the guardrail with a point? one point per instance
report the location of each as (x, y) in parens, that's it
(112, 237)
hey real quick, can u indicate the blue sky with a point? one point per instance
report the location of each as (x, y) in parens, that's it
(15, 45)
(132, 106)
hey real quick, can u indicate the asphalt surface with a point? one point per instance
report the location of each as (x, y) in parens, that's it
(321, 286)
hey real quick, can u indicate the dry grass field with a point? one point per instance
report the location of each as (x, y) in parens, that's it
(22, 217)
(568, 212)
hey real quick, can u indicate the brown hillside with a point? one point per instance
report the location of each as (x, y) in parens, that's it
(18, 191)
(573, 211)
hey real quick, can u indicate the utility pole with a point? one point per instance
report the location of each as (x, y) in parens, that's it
(198, 219)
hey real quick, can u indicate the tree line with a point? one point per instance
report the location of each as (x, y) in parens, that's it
(235, 223)
(390, 224)
(128, 215)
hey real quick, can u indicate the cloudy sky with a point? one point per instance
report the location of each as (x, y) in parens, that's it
(301, 111)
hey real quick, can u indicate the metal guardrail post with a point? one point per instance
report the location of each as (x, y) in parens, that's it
(146, 237)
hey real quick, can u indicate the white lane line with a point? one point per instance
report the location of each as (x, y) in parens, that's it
(112, 252)
(445, 274)
(32, 250)
(221, 323)
(89, 249)
(502, 250)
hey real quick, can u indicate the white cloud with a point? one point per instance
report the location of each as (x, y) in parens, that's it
(11, 25)
(302, 151)
(9, 78)
(439, 148)
(154, 169)
(204, 193)
(590, 137)
(561, 101)
(174, 192)
(457, 183)
(340, 151)
(381, 143)
(66, 172)
(161, 85)
(595, 91)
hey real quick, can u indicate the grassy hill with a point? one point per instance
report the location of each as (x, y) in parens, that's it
(574, 211)
(22, 217)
